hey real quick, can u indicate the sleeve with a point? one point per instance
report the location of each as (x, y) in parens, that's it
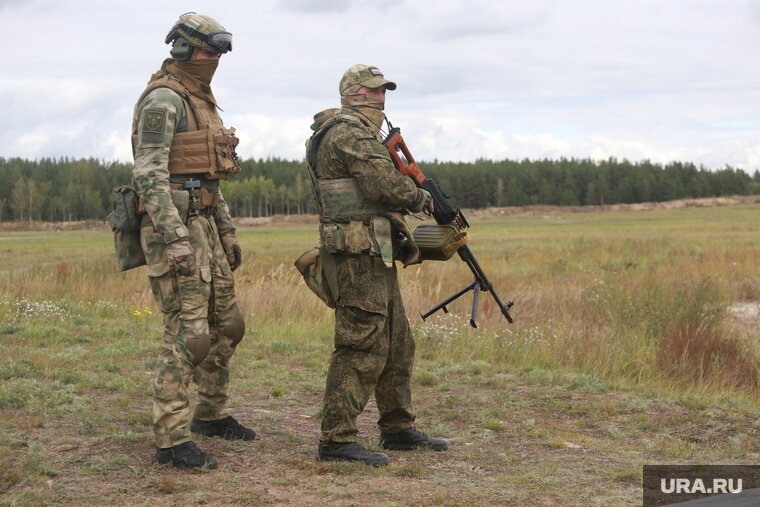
(158, 116)
(368, 161)
(222, 216)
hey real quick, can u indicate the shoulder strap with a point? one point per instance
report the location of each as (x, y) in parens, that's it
(313, 147)
(164, 82)
(311, 158)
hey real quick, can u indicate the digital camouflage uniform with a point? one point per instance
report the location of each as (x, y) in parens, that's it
(200, 310)
(374, 348)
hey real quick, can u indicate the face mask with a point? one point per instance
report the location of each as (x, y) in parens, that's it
(350, 98)
(370, 116)
(202, 70)
(360, 99)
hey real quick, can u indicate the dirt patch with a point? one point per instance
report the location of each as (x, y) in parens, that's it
(513, 444)
(641, 206)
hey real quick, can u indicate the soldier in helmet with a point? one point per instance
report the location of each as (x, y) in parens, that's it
(182, 151)
(362, 200)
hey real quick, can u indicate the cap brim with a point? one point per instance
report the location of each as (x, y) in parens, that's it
(377, 82)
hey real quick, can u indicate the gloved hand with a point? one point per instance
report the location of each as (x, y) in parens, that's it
(232, 249)
(424, 202)
(181, 257)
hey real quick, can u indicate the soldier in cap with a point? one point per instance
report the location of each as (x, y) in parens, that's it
(362, 202)
(182, 151)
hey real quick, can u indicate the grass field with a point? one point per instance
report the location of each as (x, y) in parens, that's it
(635, 341)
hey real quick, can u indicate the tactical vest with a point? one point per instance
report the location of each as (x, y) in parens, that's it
(338, 199)
(350, 223)
(207, 147)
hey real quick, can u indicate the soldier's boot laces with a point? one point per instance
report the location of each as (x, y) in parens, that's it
(410, 439)
(187, 456)
(227, 428)
(352, 451)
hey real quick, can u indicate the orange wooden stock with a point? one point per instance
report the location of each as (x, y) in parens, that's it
(395, 144)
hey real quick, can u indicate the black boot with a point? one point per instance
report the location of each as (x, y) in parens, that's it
(351, 451)
(409, 439)
(185, 455)
(227, 428)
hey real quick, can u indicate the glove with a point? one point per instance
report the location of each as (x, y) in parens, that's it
(181, 257)
(232, 249)
(424, 203)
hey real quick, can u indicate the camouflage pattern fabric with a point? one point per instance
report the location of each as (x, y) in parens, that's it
(160, 115)
(374, 348)
(352, 149)
(195, 308)
(368, 76)
(189, 25)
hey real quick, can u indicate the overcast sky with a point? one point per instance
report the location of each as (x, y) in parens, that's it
(660, 80)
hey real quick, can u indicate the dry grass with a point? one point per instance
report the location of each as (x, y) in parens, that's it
(626, 349)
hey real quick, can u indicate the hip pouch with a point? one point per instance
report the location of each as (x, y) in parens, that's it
(312, 268)
(125, 224)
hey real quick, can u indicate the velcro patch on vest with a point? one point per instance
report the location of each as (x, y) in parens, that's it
(155, 121)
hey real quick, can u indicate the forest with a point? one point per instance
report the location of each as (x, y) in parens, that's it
(66, 189)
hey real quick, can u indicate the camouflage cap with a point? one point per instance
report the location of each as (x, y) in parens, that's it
(368, 76)
(201, 31)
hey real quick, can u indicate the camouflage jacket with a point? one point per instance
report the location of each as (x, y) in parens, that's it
(352, 149)
(151, 172)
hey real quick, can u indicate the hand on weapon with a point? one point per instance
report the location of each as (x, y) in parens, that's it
(444, 213)
(424, 203)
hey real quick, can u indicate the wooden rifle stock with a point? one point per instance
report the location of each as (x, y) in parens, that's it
(444, 214)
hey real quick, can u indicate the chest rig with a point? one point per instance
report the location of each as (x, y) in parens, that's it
(350, 224)
(338, 199)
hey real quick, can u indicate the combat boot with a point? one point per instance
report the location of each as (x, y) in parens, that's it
(351, 451)
(185, 456)
(409, 439)
(227, 428)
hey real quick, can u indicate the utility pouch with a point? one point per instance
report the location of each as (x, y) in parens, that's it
(129, 253)
(353, 238)
(125, 224)
(356, 236)
(332, 238)
(124, 204)
(208, 198)
(225, 143)
(311, 267)
(438, 242)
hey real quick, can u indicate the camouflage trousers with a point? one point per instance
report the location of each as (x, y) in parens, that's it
(197, 309)
(374, 351)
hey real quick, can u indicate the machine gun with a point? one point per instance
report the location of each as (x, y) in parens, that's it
(444, 214)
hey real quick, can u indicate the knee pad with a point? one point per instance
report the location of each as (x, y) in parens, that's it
(198, 347)
(235, 330)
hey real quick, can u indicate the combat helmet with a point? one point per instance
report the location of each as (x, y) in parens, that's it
(194, 30)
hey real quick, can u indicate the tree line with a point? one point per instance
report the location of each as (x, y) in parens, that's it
(66, 189)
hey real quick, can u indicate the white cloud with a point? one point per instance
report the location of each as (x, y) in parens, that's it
(648, 79)
(31, 143)
(120, 146)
